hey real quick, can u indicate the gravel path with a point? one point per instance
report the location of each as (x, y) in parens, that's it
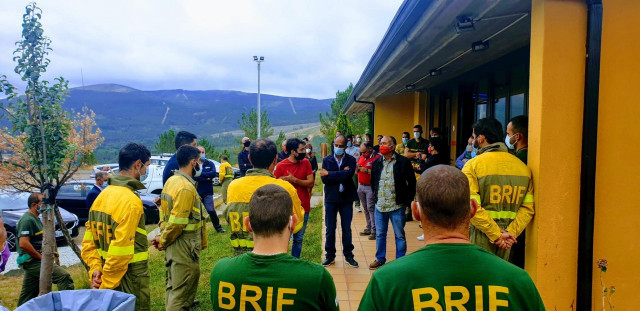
(67, 258)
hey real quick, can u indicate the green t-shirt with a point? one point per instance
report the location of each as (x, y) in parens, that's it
(278, 282)
(415, 146)
(29, 226)
(451, 277)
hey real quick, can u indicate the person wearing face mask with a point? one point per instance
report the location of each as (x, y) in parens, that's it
(393, 183)
(339, 194)
(183, 231)
(311, 156)
(263, 157)
(503, 187)
(416, 147)
(354, 151)
(278, 280)
(403, 145)
(516, 140)
(182, 138)
(204, 178)
(358, 140)
(468, 154)
(296, 170)
(119, 260)
(243, 157)
(365, 194)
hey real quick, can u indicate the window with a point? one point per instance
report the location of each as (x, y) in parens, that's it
(71, 190)
(516, 105)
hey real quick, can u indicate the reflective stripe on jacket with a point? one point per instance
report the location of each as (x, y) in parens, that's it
(238, 197)
(502, 185)
(181, 210)
(115, 235)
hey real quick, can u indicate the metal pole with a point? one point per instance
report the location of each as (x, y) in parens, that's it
(258, 99)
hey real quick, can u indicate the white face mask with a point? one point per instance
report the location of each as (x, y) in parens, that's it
(308, 150)
(507, 141)
(197, 170)
(416, 134)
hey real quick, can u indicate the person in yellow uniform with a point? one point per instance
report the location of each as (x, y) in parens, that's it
(503, 188)
(263, 157)
(115, 245)
(226, 176)
(183, 231)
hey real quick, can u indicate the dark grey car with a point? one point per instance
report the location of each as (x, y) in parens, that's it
(14, 205)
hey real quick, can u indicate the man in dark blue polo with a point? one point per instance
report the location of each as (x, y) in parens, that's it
(101, 179)
(339, 194)
(182, 138)
(205, 188)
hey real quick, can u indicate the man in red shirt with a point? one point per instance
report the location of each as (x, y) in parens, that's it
(296, 169)
(365, 161)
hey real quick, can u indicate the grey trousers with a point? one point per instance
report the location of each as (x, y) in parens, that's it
(366, 202)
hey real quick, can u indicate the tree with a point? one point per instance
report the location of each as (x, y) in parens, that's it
(280, 139)
(45, 144)
(166, 142)
(249, 124)
(344, 125)
(328, 121)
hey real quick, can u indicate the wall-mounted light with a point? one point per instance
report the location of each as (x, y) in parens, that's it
(435, 72)
(410, 87)
(480, 46)
(464, 24)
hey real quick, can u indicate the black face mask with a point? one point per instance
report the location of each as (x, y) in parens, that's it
(247, 143)
(301, 156)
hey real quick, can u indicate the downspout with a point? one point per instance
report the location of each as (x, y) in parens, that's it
(372, 115)
(589, 150)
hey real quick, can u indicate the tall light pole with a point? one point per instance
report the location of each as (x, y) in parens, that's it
(258, 60)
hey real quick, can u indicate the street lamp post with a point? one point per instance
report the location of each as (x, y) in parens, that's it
(258, 60)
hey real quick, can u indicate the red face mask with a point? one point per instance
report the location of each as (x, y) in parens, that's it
(385, 150)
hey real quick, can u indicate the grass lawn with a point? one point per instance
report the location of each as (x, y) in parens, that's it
(219, 247)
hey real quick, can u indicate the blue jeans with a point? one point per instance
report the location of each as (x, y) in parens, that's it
(296, 246)
(331, 218)
(398, 220)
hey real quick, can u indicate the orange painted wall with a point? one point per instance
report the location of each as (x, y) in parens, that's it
(395, 114)
(556, 97)
(617, 233)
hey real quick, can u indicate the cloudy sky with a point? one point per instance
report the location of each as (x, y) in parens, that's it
(312, 48)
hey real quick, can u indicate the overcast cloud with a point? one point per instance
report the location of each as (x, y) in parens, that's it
(311, 48)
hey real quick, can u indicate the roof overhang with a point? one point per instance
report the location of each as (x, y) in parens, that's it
(422, 39)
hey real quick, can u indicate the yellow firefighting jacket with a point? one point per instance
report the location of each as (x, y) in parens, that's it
(502, 185)
(238, 197)
(181, 210)
(115, 235)
(226, 172)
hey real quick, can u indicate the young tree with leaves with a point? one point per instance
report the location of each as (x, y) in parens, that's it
(46, 145)
(249, 124)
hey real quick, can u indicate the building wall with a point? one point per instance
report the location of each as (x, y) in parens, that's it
(396, 114)
(556, 99)
(616, 236)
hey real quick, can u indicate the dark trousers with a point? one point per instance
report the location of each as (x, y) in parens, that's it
(207, 200)
(331, 218)
(30, 283)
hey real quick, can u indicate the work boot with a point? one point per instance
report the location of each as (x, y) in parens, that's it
(372, 236)
(365, 232)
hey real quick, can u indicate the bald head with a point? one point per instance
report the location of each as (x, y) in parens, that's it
(443, 194)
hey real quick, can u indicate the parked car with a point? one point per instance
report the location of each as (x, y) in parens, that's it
(73, 195)
(162, 159)
(14, 204)
(112, 168)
